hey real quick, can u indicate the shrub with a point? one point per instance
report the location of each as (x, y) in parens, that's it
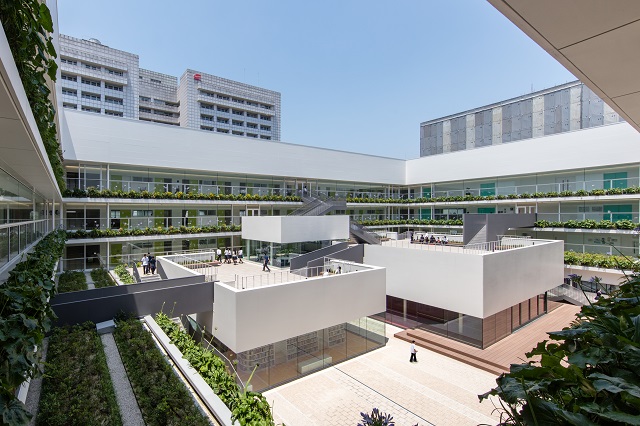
(77, 388)
(25, 317)
(72, 281)
(162, 397)
(123, 274)
(247, 407)
(101, 278)
(585, 374)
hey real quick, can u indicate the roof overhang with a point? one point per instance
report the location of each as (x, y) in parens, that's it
(595, 40)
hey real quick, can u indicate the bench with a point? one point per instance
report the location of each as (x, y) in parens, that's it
(313, 364)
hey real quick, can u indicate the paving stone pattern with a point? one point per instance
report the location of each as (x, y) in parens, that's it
(436, 390)
(129, 410)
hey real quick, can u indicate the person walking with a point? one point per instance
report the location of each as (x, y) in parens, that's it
(219, 255)
(240, 256)
(413, 352)
(265, 265)
(152, 264)
(145, 264)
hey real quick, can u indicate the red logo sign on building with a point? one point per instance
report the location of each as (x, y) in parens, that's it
(197, 77)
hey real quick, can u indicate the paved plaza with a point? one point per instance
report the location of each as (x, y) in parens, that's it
(437, 390)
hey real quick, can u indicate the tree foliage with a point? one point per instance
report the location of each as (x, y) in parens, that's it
(28, 26)
(586, 374)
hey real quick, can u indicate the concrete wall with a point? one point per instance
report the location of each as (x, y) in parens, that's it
(117, 140)
(474, 284)
(138, 300)
(294, 229)
(246, 319)
(171, 270)
(447, 280)
(301, 261)
(512, 276)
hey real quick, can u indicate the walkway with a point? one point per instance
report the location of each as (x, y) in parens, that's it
(437, 390)
(498, 357)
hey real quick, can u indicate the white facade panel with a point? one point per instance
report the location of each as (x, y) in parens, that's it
(511, 276)
(450, 281)
(570, 150)
(295, 229)
(246, 319)
(119, 141)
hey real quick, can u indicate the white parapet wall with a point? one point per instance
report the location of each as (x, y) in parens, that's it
(472, 283)
(295, 229)
(249, 318)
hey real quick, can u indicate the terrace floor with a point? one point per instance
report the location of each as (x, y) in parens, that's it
(438, 390)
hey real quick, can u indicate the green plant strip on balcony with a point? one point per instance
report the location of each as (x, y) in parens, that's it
(108, 193)
(72, 281)
(27, 25)
(586, 374)
(588, 224)
(248, 408)
(25, 317)
(101, 278)
(77, 388)
(123, 274)
(444, 222)
(601, 261)
(106, 233)
(162, 397)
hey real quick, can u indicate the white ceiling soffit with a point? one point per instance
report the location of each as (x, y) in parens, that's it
(596, 40)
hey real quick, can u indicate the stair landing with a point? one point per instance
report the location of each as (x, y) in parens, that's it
(498, 357)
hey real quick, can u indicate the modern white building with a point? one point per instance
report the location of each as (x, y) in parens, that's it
(99, 79)
(576, 168)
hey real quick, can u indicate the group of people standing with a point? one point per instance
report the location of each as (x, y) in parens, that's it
(148, 264)
(230, 256)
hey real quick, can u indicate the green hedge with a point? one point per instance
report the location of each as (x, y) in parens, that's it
(601, 261)
(586, 374)
(162, 397)
(77, 388)
(101, 278)
(107, 233)
(25, 317)
(580, 193)
(447, 222)
(72, 281)
(248, 408)
(588, 224)
(28, 26)
(92, 192)
(123, 274)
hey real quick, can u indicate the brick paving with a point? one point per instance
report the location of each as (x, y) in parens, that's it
(437, 390)
(510, 350)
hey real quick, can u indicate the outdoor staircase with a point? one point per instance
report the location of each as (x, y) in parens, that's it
(480, 237)
(425, 340)
(316, 206)
(362, 235)
(150, 278)
(573, 295)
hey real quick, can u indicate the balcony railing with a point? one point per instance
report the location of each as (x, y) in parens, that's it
(18, 236)
(534, 190)
(102, 223)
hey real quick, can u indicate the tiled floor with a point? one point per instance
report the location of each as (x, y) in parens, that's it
(436, 390)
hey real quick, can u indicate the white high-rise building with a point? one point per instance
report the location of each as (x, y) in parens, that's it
(99, 79)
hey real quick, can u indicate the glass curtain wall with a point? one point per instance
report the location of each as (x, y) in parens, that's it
(294, 357)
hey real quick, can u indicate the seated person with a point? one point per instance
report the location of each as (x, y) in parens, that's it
(444, 240)
(432, 240)
(421, 238)
(438, 241)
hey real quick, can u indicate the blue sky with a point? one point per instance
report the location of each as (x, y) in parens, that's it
(354, 75)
